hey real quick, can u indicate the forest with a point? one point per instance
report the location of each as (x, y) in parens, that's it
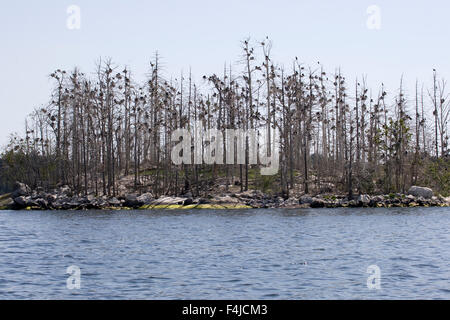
(335, 137)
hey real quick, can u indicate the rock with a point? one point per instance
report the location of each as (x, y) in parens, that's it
(81, 200)
(289, 203)
(292, 201)
(122, 190)
(354, 204)
(243, 195)
(42, 203)
(132, 201)
(434, 201)
(407, 200)
(424, 192)
(250, 194)
(21, 201)
(74, 203)
(375, 200)
(187, 195)
(306, 199)
(98, 204)
(188, 201)
(364, 200)
(51, 197)
(145, 198)
(114, 202)
(203, 201)
(253, 203)
(421, 201)
(224, 199)
(317, 203)
(331, 203)
(6, 201)
(20, 189)
(169, 201)
(65, 190)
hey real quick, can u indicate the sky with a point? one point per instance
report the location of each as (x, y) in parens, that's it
(411, 40)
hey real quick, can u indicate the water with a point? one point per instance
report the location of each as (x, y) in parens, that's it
(248, 254)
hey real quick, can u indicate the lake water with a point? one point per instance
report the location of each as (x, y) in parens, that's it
(248, 254)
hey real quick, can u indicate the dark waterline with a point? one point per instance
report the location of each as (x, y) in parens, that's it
(248, 254)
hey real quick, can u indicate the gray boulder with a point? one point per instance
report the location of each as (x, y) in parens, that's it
(306, 199)
(424, 192)
(20, 189)
(132, 201)
(317, 203)
(354, 204)
(51, 197)
(447, 200)
(290, 203)
(376, 200)
(114, 202)
(364, 199)
(42, 203)
(99, 203)
(21, 201)
(145, 198)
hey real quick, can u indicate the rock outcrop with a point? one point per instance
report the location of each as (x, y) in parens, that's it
(20, 189)
(424, 192)
(64, 199)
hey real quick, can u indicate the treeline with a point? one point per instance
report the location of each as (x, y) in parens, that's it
(335, 136)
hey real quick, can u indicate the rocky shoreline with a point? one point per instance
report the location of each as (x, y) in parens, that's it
(23, 198)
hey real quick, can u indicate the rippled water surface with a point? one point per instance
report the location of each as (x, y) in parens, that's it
(249, 254)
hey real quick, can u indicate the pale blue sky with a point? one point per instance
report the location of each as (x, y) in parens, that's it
(413, 40)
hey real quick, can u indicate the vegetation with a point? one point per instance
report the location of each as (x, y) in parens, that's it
(333, 138)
